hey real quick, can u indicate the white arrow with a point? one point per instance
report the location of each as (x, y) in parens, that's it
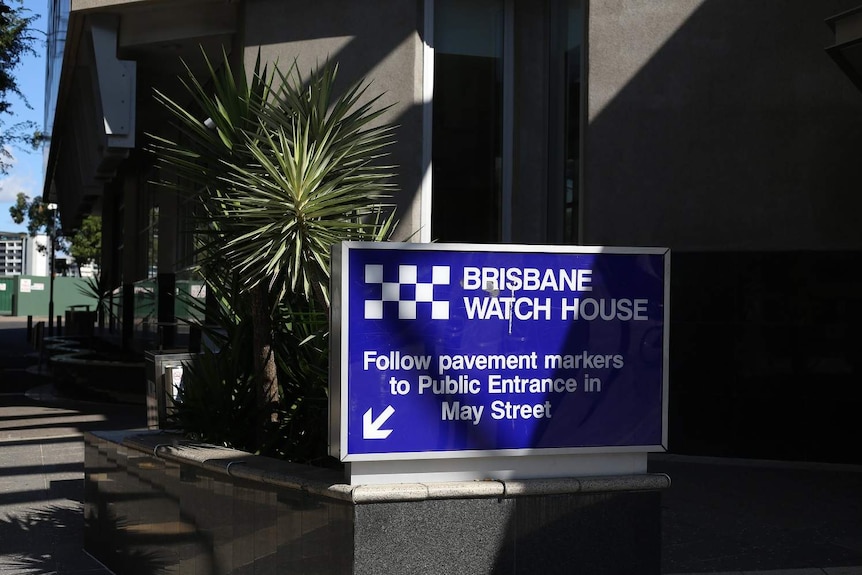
(371, 429)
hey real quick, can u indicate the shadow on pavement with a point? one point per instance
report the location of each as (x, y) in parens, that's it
(41, 464)
(748, 515)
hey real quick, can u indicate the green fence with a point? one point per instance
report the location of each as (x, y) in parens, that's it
(189, 301)
(30, 295)
(7, 291)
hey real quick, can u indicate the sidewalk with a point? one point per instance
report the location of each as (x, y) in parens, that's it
(746, 516)
(719, 515)
(41, 464)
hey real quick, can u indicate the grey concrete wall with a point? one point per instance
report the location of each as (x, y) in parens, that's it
(377, 40)
(720, 124)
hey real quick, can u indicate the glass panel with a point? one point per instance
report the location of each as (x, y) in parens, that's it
(467, 127)
(58, 25)
(152, 234)
(572, 143)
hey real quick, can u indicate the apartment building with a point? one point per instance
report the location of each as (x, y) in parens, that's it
(21, 254)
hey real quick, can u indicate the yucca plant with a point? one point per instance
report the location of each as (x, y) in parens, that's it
(281, 168)
(100, 291)
(217, 402)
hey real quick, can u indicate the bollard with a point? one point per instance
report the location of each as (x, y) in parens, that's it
(30, 329)
(42, 331)
(59, 326)
(38, 335)
(194, 338)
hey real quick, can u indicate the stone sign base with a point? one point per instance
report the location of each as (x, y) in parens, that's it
(157, 504)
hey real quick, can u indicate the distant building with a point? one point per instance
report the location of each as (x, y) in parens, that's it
(20, 254)
(68, 267)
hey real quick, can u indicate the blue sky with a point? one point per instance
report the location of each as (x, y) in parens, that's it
(26, 173)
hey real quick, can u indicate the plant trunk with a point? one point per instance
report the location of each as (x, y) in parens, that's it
(264, 359)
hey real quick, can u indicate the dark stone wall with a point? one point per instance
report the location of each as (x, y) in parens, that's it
(766, 351)
(147, 515)
(586, 533)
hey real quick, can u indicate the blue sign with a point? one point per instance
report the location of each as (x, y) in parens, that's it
(470, 350)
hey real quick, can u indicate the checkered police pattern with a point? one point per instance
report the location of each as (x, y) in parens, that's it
(408, 293)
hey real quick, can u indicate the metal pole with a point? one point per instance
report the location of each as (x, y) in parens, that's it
(52, 230)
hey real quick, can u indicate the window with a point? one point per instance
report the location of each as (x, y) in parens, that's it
(573, 35)
(467, 131)
(506, 120)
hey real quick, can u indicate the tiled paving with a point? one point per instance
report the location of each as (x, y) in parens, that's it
(41, 486)
(41, 465)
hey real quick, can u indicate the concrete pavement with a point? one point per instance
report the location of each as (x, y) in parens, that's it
(41, 463)
(737, 516)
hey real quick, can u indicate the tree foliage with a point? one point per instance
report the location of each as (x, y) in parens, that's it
(17, 39)
(284, 173)
(40, 220)
(35, 212)
(86, 242)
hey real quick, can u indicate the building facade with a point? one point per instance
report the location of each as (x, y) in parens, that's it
(21, 254)
(719, 128)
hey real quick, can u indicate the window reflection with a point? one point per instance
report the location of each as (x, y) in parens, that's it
(574, 34)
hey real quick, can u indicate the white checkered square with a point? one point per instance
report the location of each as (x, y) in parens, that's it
(373, 309)
(391, 291)
(440, 310)
(440, 275)
(408, 274)
(373, 274)
(423, 293)
(407, 310)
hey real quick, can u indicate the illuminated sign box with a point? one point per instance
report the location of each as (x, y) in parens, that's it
(456, 351)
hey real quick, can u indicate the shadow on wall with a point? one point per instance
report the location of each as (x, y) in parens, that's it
(738, 132)
(361, 56)
(765, 359)
(736, 144)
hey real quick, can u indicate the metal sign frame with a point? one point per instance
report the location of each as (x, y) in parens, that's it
(340, 387)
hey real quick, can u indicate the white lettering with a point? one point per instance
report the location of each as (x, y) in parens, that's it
(496, 280)
(584, 360)
(494, 362)
(507, 410)
(522, 308)
(457, 412)
(498, 384)
(463, 385)
(394, 360)
(613, 309)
